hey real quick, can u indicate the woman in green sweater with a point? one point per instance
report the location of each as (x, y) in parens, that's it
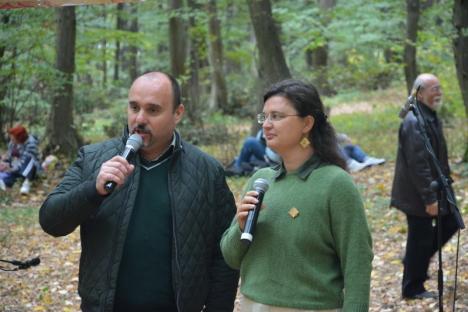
(312, 249)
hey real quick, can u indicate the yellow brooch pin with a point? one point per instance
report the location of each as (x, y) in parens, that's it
(293, 212)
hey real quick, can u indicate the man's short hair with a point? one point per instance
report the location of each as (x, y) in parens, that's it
(176, 94)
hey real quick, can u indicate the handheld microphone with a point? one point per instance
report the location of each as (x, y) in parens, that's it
(260, 186)
(133, 144)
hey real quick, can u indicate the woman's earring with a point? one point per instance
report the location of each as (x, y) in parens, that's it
(304, 142)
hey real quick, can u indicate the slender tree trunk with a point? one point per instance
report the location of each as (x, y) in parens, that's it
(132, 55)
(128, 52)
(272, 64)
(460, 48)
(62, 135)
(178, 45)
(104, 63)
(317, 59)
(215, 44)
(194, 113)
(4, 20)
(104, 52)
(412, 20)
(177, 39)
(120, 25)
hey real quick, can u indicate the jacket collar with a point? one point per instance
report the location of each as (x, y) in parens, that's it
(303, 172)
(428, 113)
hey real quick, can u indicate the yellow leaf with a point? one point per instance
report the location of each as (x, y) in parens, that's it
(46, 299)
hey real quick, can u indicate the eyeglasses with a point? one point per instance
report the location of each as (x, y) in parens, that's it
(272, 117)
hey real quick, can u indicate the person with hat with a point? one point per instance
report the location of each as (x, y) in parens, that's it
(21, 160)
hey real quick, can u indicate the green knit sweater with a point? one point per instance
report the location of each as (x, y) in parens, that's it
(322, 258)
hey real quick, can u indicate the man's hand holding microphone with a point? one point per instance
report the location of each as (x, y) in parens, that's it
(115, 171)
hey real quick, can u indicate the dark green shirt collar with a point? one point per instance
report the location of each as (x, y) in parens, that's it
(303, 172)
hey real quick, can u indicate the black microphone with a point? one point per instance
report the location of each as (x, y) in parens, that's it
(260, 186)
(133, 144)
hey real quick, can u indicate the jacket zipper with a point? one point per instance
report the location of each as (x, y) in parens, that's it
(171, 194)
(109, 273)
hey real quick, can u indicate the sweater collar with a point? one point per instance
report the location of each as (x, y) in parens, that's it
(303, 172)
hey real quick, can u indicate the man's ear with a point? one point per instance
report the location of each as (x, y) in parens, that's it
(179, 112)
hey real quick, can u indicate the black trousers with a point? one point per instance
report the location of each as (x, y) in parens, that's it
(421, 245)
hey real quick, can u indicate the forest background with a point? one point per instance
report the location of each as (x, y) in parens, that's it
(65, 74)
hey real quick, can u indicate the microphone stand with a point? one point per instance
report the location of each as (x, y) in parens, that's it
(441, 184)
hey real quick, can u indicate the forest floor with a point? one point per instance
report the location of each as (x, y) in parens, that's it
(52, 286)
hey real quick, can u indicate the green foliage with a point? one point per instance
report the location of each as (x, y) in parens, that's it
(25, 65)
(296, 38)
(365, 41)
(101, 124)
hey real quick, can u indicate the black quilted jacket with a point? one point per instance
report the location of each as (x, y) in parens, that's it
(414, 170)
(202, 206)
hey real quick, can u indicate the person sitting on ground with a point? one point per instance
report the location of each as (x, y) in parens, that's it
(356, 158)
(254, 154)
(21, 160)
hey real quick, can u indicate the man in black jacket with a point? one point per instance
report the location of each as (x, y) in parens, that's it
(411, 192)
(153, 243)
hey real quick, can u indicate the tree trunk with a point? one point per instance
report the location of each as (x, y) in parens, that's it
(178, 45)
(62, 136)
(104, 63)
(128, 52)
(132, 55)
(412, 19)
(193, 100)
(317, 59)
(120, 25)
(104, 52)
(215, 44)
(4, 20)
(460, 48)
(272, 64)
(177, 39)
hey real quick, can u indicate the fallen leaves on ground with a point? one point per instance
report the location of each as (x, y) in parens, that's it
(52, 286)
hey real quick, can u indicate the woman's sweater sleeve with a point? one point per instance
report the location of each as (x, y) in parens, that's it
(231, 246)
